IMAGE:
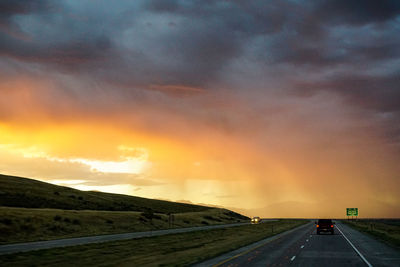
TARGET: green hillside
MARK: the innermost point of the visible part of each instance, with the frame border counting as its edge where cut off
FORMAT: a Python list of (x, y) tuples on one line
[(28, 224), (31, 210), (29, 193)]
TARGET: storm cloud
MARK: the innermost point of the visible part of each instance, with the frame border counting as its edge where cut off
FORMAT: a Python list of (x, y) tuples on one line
[(348, 48), (278, 76)]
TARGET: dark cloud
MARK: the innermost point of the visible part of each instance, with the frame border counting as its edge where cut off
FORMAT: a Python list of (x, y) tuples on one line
[(9, 8), (140, 47), (356, 12), (379, 93), (204, 39), (70, 54), (378, 97), (374, 52), (248, 18), (164, 6), (65, 48), (376, 92), (174, 46)]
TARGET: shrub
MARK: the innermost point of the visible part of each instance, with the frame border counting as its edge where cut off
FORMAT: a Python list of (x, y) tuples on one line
[(208, 217), (56, 228), (27, 227), (148, 214), (6, 221), (155, 216), (57, 218)]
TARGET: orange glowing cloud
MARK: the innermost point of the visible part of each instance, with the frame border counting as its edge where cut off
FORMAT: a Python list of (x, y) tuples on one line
[(220, 110), (257, 155), (257, 171)]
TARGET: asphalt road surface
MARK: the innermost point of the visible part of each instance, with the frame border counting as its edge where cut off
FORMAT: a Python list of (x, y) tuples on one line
[(22, 247), (303, 247)]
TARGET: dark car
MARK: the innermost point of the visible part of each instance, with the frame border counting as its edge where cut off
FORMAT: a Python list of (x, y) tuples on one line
[(325, 225)]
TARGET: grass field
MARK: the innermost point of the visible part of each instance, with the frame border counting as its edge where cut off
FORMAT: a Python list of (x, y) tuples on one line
[(24, 224), (387, 230), (170, 250), (29, 193)]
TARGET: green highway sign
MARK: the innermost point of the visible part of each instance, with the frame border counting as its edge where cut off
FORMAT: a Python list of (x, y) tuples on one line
[(352, 211)]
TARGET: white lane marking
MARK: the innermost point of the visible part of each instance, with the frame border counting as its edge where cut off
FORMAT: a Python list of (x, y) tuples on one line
[(302, 246), (306, 240), (292, 259), (358, 252)]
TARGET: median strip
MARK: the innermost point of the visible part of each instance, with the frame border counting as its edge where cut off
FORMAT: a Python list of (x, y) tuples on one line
[(23, 247)]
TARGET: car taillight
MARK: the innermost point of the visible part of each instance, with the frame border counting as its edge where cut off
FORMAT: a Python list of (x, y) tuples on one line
[(331, 225), (317, 225)]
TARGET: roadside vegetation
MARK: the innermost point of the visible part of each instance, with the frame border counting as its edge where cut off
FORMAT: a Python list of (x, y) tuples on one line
[(24, 224), (169, 250), (386, 230)]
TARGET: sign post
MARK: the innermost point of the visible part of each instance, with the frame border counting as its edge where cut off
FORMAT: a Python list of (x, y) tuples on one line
[(352, 212), (171, 219)]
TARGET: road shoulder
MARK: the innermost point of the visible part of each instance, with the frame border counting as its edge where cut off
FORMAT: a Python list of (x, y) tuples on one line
[(376, 252)]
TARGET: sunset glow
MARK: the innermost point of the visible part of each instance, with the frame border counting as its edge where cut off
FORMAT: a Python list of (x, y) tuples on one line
[(245, 115)]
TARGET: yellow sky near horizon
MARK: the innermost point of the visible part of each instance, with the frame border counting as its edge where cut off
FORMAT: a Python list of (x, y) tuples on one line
[(211, 168)]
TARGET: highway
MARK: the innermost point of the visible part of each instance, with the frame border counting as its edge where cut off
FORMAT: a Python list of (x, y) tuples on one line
[(303, 247)]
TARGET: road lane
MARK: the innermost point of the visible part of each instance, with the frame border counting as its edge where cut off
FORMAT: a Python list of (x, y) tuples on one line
[(327, 250), (303, 247), (271, 251)]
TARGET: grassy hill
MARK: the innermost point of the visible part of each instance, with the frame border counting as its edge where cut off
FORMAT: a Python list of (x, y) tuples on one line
[(29, 193), (28, 224), (31, 210)]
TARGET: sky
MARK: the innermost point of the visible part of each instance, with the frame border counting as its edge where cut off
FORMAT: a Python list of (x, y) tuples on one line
[(270, 108)]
